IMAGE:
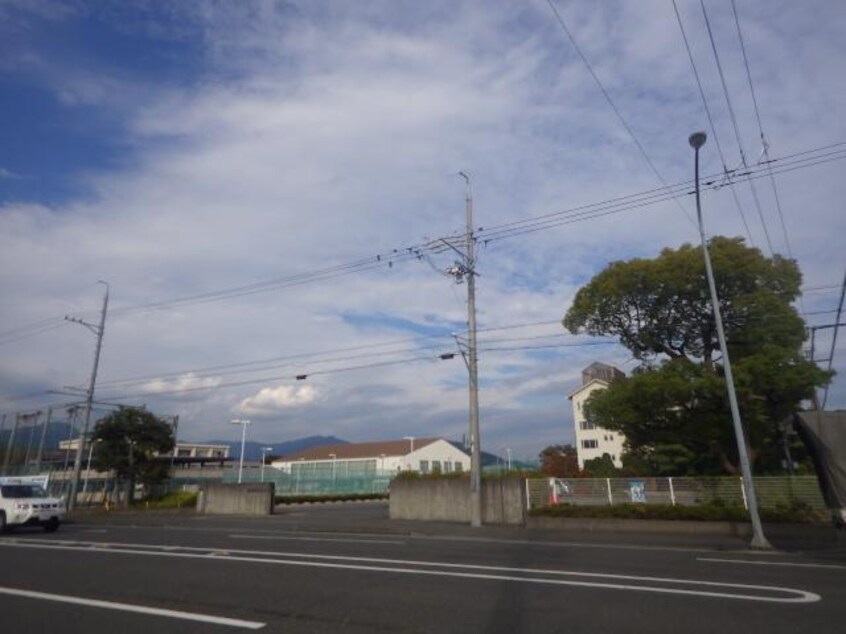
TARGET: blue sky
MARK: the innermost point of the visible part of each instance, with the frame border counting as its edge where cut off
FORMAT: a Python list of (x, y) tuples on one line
[(180, 148)]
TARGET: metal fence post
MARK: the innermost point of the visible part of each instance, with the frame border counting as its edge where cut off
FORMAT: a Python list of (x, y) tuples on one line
[(672, 492), (610, 498)]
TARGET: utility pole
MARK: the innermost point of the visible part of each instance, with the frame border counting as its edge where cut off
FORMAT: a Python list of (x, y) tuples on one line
[(472, 364), (466, 268), (834, 337), (98, 330)]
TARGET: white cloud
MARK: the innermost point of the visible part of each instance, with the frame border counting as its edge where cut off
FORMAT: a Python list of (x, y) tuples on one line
[(271, 400), (185, 383)]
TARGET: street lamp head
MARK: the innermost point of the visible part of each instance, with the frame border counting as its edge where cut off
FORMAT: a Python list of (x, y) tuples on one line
[(697, 140), (239, 421)]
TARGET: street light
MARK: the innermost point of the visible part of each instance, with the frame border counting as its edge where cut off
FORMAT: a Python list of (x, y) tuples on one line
[(333, 456), (91, 444), (264, 451), (243, 424), (697, 140)]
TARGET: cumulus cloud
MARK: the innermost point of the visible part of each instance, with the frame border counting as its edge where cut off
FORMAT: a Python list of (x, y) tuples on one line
[(186, 383), (270, 400)]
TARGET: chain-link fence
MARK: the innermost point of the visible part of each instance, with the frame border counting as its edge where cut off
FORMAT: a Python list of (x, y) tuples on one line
[(772, 491), (317, 483)]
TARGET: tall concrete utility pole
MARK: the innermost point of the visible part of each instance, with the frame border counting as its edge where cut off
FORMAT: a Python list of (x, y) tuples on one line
[(472, 366), (89, 399)]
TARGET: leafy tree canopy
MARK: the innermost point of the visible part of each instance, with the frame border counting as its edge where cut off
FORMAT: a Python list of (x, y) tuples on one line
[(127, 440), (560, 461), (661, 307), (673, 410)]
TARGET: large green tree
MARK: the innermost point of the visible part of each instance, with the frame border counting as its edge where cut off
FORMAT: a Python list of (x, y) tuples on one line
[(673, 410), (127, 441)]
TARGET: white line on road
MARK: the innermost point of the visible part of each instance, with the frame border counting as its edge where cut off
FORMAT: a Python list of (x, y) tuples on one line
[(446, 570), (129, 607), (768, 563), (316, 539)]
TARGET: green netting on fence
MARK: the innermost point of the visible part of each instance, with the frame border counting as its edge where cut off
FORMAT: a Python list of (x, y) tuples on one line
[(322, 484)]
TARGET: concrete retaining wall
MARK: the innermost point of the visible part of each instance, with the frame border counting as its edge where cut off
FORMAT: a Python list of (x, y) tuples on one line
[(218, 498), (448, 500)]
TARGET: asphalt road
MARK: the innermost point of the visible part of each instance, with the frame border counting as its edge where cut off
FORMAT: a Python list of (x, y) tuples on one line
[(347, 568)]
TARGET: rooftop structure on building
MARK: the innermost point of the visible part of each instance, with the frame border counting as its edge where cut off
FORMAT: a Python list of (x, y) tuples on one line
[(601, 372)]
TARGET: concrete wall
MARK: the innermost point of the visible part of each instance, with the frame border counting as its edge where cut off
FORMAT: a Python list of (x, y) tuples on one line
[(448, 500), (236, 499)]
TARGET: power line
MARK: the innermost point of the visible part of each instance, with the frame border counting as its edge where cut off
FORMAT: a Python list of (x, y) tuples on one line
[(611, 102), (764, 145), (781, 165), (735, 126), (711, 123), (292, 377)]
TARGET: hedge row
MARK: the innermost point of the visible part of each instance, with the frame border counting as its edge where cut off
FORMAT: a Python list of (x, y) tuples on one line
[(340, 497)]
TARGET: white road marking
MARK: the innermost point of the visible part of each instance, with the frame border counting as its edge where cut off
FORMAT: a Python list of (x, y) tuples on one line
[(129, 607), (441, 569), (316, 539), (768, 563)]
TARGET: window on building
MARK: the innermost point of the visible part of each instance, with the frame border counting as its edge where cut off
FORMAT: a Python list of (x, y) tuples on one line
[(590, 444), (436, 466), (586, 425), (447, 466), (459, 466), (424, 466)]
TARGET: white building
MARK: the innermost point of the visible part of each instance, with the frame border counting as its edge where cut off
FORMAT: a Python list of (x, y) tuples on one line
[(592, 441), (183, 449), (426, 455)]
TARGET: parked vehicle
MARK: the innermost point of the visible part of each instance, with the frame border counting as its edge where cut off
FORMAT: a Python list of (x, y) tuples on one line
[(24, 502)]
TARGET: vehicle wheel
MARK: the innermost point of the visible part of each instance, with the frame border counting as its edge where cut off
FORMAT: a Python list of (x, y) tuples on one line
[(51, 526), (2, 522)]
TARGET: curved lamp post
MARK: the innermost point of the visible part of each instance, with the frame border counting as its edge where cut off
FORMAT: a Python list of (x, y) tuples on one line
[(697, 140), (243, 424)]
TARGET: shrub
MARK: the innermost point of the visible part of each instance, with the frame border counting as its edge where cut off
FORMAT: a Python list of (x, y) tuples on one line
[(177, 500), (338, 497)]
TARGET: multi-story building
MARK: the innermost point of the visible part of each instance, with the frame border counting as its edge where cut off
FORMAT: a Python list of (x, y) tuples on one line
[(592, 441)]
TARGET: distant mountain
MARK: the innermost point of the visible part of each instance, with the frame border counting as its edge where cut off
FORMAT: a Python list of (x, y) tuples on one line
[(252, 449)]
